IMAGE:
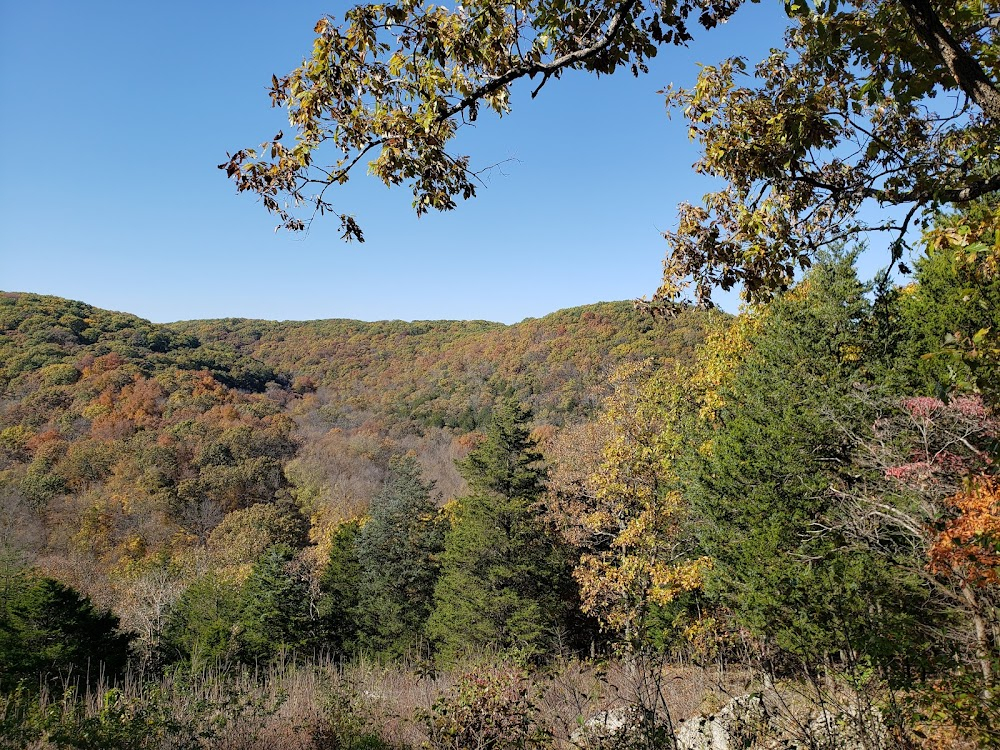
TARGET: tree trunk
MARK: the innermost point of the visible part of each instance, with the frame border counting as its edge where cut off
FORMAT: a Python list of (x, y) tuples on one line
[(984, 642), (963, 67)]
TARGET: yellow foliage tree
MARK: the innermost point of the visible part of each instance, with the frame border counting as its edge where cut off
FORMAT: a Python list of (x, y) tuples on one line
[(718, 358), (637, 556)]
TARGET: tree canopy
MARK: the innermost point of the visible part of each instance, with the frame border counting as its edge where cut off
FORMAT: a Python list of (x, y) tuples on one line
[(888, 102)]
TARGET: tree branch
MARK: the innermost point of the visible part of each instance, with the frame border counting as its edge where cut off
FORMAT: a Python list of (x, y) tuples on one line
[(546, 69), (963, 67)]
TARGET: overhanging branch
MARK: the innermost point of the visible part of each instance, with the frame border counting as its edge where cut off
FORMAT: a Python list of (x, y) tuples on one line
[(544, 69), (963, 67)]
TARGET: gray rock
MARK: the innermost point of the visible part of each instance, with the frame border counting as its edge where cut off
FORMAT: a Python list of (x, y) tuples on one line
[(736, 726), (850, 729), (603, 726)]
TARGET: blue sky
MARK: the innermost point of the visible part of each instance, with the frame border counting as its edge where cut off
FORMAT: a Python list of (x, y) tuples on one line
[(116, 114)]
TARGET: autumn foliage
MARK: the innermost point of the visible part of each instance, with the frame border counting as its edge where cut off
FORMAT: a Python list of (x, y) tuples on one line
[(808, 488), (968, 546)]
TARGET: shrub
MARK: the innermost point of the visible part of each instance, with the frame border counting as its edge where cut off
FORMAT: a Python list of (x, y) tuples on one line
[(490, 706)]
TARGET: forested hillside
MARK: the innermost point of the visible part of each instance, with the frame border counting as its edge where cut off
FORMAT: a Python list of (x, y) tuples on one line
[(600, 530), (442, 373), (128, 445)]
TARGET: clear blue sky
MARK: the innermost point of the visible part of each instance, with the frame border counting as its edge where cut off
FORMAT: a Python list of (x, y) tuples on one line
[(116, 114)]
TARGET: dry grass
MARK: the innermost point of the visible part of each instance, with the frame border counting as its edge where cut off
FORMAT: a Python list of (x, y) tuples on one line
[(328, 706)]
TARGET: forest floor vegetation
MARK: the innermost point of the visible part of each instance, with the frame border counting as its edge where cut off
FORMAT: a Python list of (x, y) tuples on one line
[(496, 703)]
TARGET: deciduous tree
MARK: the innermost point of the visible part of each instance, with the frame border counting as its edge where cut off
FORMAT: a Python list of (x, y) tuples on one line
[(636, 556), (889, 102)]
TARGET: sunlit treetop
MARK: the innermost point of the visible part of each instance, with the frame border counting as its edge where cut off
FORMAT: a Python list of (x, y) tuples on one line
[(888, 102)]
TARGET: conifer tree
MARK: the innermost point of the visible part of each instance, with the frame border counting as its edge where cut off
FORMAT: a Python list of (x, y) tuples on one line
[(504, 577), (47, 628), (766, 485), (216, 620), (950, 318), (398, 550), (340, 587), (274, 608), (199, 629)]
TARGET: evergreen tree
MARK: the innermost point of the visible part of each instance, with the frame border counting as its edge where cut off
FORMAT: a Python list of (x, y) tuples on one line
[(504, 578), (507, 463), (274, 608), (766, 487), (216, 621), (950, 318), (398, 550), (200, 627), (340, 587), (47, 628)]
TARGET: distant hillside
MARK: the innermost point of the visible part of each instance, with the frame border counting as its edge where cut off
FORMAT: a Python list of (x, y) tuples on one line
[(441, 373), (39, 331), (123, 442)]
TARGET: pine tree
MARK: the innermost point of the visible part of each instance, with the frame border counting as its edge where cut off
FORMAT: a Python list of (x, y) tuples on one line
[(504, 577), (398, 550)]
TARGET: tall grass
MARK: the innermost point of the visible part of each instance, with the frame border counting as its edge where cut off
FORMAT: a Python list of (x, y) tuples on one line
[(319, 704), (324, 704)]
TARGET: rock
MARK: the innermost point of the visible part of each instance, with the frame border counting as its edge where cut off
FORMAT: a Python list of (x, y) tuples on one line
[(603, 726), (736, 726), (850, 729)]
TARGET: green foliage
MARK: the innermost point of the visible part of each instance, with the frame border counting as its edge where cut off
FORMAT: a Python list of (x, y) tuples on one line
[(766, 487), (340, 586), (398, 549), (953, 306), (274, 616), (49, 334), (756, 473), (118, 724), (268, 615), (504, 578), (507, 462), (182, 711), (200, 628), (48, 630)]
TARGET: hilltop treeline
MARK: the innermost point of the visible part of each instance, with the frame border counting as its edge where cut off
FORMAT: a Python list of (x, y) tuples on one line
[(442, 373)]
